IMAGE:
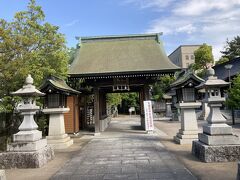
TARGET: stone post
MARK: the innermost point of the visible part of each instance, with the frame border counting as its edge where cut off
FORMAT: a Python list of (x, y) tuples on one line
[(57, 137), (189, 127), (169, 110)]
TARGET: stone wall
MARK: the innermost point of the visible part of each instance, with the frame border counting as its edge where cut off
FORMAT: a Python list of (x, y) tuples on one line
[(34, 159), (219, 153)]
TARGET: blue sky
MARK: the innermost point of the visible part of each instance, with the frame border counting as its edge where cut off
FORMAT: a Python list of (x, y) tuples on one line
[(181, 21)]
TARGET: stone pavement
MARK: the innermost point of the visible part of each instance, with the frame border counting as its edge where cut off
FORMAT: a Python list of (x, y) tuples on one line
[(124, 152)]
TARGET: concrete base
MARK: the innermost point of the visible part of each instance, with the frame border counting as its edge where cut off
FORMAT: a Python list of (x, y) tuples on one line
[(27, 146), (217, 129), (219, 139), (2, 175), (59, 142), (32, 135), (31, 159), (186, 137), (218, 153)]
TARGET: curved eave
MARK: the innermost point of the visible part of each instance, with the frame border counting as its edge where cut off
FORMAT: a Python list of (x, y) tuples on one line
[(48, 83), (151, 73)]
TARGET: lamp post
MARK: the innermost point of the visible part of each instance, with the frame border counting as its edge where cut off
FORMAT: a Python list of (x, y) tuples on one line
[(229, 67)]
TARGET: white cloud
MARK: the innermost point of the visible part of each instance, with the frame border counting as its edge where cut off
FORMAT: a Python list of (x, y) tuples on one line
[(189, 29), (200, 7), (72, 23), (156, 4), (197, 21)]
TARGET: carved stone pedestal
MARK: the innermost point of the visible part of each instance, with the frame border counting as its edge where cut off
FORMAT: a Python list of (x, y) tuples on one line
[(57, 137), (189, 128)]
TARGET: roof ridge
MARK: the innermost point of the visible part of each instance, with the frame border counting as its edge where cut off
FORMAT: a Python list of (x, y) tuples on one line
[(127, 36)]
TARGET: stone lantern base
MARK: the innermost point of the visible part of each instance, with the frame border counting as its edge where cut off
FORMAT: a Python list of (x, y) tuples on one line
[(27, 159), (57, 137), (189, 127), (215, 153), (28, 150)]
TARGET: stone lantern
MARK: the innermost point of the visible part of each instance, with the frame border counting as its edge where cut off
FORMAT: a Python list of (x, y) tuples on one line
[(186, 98), (217, 142), (168, 100), (28, 149), (55, 105)]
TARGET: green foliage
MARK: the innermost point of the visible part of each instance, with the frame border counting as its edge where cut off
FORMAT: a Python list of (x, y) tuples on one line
[(114, 99), (71, 54), (131, 99), (232, 48), (29, 45), (233, 99), (203, 57), (222, 60), (161, 86), (42, 122)]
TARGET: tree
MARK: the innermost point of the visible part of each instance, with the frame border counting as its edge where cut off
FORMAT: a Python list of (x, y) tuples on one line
[(233, 99), (114, 99), (222, 60), (203, 57), (161, 86), (71, 53), (232, 48), (28, 44)]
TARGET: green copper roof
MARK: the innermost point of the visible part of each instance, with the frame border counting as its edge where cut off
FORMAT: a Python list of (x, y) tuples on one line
[(117, 54), (59, 84), (184, 78)]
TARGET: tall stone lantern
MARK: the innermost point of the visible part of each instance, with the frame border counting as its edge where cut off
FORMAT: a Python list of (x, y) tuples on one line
[(187, 103), (217, 142), (55, 105), (28, 149)]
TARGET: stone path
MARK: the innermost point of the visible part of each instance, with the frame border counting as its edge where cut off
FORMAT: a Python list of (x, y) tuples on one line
[(124, 152)]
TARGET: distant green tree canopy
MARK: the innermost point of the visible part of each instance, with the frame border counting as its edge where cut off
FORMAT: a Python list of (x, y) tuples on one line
[(71, 53), (233, 99), (130, 99), (232, 48), (203, 58), (161, 86), (29, 45), (222, 60), (114, 99)]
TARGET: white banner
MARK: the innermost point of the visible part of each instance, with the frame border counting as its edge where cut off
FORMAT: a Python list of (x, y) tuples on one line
[(149, 126)]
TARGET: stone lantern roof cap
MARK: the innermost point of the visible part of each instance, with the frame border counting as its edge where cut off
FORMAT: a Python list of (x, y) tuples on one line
[(212, 81), (28, 89)]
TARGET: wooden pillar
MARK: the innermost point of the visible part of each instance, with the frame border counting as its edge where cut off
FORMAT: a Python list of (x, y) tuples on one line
[(141, 96), (96, 110), (146, 93)]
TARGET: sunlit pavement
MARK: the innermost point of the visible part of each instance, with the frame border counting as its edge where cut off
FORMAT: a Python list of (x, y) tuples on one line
[(124, 151)]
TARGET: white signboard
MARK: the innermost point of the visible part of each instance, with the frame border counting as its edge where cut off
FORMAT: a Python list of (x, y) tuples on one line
[(148, 116)]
